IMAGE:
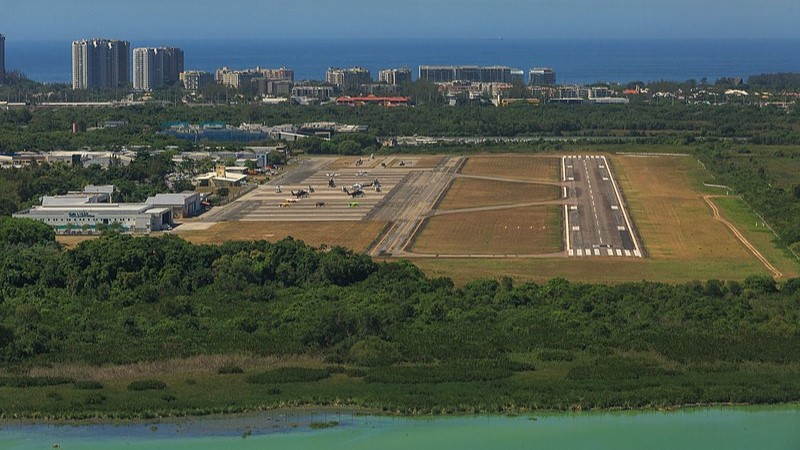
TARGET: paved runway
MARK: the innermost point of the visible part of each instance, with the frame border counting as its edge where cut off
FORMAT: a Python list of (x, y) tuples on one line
[(596, 221)]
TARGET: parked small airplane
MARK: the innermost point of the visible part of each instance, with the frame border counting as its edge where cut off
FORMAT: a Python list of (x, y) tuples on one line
[(355, 192), (300, 194)]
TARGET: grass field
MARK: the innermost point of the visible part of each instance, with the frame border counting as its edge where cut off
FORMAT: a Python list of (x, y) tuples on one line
[(542, 384), (469, 193), (514, 166), (751, 226), (353, 235), (516, 231), (589, 270), (672, 218)]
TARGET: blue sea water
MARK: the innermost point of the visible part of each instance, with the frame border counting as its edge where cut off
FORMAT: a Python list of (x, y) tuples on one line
[(576, 61)]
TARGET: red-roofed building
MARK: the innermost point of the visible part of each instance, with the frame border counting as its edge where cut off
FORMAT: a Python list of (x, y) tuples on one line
[(373, 100)]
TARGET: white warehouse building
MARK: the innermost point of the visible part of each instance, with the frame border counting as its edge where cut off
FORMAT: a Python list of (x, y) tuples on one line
[(85, 218)]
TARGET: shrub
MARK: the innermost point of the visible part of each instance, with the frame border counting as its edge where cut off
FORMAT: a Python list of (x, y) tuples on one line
[(147, 385), (337, 369), (556, 355), (94, 399), (229, 369), (26, 382), (289, 375), (356, 373), (616, 368), (88, 385), (460, 371), (322, 425), (373, 351)]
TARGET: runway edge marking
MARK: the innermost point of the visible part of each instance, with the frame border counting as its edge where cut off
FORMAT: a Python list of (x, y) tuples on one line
[(637, 247)]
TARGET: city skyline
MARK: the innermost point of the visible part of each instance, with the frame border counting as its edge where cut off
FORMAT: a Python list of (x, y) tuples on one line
[(421, 19)]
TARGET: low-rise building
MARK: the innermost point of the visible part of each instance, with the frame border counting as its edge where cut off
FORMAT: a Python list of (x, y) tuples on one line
[(21, 159), (478, 74), (373, 100), (194, 79), (543, 76), (353, 76), (90, 195), (184, 204), (610, 100), (275, 88), (220, 177), (395, 77), (90, 218), (309, 91), (240, 78), (572, 92), (599, 92)]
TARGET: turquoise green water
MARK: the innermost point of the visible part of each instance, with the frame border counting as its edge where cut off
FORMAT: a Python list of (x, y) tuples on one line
[(706, 429)]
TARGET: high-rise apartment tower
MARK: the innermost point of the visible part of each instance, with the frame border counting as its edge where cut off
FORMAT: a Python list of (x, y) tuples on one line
[(101, 63)]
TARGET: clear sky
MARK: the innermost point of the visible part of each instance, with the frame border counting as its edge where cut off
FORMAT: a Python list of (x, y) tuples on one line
[(318, 19)]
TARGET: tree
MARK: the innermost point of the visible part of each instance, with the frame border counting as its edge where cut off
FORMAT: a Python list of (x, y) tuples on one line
[(25, 232)]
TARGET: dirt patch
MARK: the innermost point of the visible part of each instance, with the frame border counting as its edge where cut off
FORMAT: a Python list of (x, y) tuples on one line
[(71, 242)]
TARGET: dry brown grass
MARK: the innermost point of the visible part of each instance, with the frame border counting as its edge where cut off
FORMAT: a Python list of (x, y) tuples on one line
[(544, 168), (468, 193), (71, 242), (589, 270), (195, 365), (353, 235), (673, 219), (516, 231)]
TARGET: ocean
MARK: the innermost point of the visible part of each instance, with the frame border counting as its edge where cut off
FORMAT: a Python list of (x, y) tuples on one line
[(575, 61)]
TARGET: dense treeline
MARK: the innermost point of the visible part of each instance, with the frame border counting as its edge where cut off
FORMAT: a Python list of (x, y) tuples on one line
[(391, 338), (121, 299), (775, 82), (49, 129)]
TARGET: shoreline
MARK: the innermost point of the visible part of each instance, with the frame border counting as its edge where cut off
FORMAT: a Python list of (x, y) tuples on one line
[(310, 411)]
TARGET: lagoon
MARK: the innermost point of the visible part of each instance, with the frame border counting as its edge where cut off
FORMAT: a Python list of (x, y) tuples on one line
[(773, 428)]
